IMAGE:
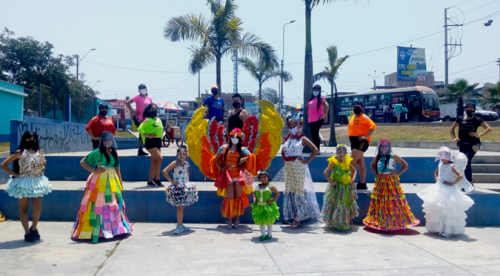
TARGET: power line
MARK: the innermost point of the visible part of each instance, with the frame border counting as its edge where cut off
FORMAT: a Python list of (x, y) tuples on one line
[(460, 3), (147, 70), (480, 6)]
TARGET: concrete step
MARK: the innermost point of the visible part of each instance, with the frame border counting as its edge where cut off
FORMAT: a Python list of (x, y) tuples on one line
[(486, 168), (486, 178), (482, 159)]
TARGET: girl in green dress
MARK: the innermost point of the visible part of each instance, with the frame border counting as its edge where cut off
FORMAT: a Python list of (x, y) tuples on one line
[(264, 208)]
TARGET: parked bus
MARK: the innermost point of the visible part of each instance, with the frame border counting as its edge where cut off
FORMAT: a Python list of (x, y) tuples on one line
[(421, 102)]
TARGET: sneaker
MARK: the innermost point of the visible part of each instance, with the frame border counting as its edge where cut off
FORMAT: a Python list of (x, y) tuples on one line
[(35, 234), (185, 228), (236, 224), (141, 152), (29, 237), (268, 237), (361, 186), (262, 238), (158, 183), (178, 230), (152, 184)]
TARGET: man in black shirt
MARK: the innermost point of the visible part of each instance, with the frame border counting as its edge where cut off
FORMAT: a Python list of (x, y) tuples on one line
[(468, 139), (238, 115)]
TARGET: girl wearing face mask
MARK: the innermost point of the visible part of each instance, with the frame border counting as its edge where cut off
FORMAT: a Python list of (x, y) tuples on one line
[(339, 201), (28, 182), (360, 130), (151, 130), (468, 139), (388, 209), (317, 110), (299, 200), (233, 161), (100, 124), (141, 102), (102, 209)]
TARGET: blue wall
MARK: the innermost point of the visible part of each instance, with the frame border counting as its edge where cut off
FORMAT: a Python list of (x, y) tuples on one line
[(12, 99)]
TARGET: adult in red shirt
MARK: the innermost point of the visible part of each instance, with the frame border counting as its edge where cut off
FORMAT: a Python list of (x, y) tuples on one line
[(141, 102), (100, 124)]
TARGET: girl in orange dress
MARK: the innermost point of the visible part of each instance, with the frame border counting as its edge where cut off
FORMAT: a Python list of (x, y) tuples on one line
[(234, 181)]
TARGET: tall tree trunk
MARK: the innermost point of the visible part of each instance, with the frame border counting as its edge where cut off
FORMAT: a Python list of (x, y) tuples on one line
[(336, 110), (260, 90), (218, 62), (333, 138), (308, 69)]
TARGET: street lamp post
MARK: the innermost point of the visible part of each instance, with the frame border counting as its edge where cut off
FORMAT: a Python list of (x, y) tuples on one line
[(78, 59), (95, 83), (282, 66), (375, 77)]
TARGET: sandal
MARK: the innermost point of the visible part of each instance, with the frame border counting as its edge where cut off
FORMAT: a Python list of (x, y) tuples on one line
[(236, 224), (295, 224)]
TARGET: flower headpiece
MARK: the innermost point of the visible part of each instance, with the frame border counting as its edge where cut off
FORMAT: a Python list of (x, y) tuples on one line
[(236, 132)]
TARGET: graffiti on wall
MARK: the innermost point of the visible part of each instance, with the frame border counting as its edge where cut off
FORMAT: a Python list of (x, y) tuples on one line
[(57, 137)]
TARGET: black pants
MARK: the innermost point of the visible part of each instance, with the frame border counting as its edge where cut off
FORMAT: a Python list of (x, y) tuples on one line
[(315, 127), (137, 123), (387, 118), (95, 144), (469, 152)]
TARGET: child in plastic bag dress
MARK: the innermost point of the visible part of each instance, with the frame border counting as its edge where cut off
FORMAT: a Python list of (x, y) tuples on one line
[(265, 211), (102, 209), (444, 205), (28, 182), (181, 193), (339, 201)]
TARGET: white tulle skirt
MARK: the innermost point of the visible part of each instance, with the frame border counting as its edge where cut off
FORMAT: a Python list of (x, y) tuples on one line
[(444, 208), (28, 187)]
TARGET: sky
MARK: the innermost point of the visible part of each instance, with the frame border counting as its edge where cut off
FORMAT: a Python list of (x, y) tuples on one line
[(131, 49)]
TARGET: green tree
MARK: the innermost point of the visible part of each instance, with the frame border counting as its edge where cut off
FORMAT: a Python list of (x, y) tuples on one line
[(308, 60), (330, 74), (269, 94), (456, 93), (494, 98), (218, 36), (263, 70)]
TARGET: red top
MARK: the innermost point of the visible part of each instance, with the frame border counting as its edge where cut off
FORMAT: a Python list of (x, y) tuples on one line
[(100, 124)]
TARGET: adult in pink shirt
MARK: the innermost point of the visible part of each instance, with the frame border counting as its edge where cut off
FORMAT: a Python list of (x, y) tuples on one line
[(317, 110), (141, 101)]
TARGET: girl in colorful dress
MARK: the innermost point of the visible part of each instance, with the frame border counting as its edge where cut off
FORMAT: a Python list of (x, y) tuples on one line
[(234, 181), (151, 130), (102, 210), (388, 209), (181, 193), (299, 201), (264, 208), (28, 182), (444, 204), (339, 202)]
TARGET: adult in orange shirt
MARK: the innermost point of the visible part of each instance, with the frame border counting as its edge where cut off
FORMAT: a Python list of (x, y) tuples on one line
[(360, 129), (99, 124)]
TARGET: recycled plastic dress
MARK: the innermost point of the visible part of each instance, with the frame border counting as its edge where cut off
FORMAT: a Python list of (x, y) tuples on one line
[(185, 193), (263, 213), (31, 182)]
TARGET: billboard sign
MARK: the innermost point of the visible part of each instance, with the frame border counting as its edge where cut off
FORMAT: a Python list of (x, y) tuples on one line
[(411, 64)]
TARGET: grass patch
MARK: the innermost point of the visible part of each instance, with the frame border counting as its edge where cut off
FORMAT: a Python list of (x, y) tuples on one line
[(5, 146), (124, 134), (411, 133)]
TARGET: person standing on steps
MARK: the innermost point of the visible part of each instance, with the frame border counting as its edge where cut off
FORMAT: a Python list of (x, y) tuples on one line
[(100, 124), (215, 105), (141, 101), (317, 110), (398, 110), (238, 115), (468, 139)]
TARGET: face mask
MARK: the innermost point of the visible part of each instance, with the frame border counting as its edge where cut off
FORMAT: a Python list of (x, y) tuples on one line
[(294, 130), (236, 104), (143, 91), (103, 112), (234, 141), (215, 92), (315, 93), (470, 112), (30, 144), (357, 110), (154, 113)]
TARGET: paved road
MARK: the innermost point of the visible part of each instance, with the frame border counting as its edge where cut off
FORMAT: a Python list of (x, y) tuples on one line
[(210, 249)]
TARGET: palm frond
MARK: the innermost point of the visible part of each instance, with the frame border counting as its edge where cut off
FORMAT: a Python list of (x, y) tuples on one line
[(251, 67), (186, 27), (200, 58), (323, 75), (332, 55)]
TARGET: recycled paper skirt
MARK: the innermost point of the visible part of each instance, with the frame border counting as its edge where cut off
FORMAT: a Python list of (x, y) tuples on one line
[(389, 209), (102, 210), (339, 206), (28, 187)]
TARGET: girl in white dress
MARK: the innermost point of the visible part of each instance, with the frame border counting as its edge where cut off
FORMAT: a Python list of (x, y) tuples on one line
[(181, 193), (444, 204)]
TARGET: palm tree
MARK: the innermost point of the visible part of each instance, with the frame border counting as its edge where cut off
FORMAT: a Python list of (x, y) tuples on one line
[(329, 74), (494, 98), (263, 70), (218, 36), (456, 93), (308, 61)]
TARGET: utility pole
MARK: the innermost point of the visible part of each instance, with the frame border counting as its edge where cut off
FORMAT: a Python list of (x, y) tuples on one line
[(446, 44), (280, 92), (235, 72), (199, 96), (498, 61)]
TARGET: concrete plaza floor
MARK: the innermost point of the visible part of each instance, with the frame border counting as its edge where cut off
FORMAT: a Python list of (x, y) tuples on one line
[(211, 249)]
